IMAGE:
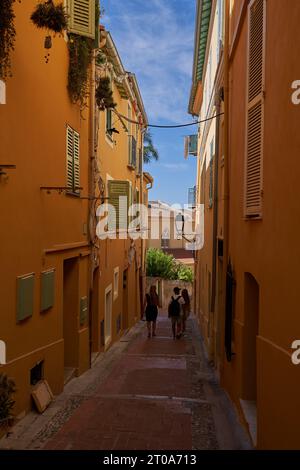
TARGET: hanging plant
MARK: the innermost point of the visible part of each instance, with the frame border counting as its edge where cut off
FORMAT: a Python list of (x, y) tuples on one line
[(80, 58), (7, 37), (104, 94), (7, 389), (49, 16)]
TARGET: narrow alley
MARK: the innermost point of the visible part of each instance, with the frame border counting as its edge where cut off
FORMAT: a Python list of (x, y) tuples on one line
[(141, 394)]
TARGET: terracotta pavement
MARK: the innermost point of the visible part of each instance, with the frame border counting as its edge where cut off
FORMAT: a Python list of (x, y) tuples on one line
[(144, 394), (141, 405)]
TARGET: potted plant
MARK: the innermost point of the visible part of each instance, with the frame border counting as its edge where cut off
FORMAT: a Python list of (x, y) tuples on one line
[(104, 94), (7, 389), (50, 16), (7, 36)]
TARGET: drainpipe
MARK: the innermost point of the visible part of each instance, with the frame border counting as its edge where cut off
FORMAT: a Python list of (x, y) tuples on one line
[(91, 192), (226, 182), (215, 213)]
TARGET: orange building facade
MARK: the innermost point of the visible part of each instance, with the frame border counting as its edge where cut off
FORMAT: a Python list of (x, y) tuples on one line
[(54, 271), (254, 303)]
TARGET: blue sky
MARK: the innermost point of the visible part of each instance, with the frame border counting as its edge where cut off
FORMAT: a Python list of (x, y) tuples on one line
[(155, 40)]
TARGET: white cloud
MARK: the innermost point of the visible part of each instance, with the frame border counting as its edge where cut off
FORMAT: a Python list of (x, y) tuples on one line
[(175, 166), (156, 43)]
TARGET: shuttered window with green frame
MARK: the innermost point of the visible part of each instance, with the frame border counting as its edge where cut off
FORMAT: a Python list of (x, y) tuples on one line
[(73, 160), (82, 14), (25, 297), (119, 194), (47, 289)]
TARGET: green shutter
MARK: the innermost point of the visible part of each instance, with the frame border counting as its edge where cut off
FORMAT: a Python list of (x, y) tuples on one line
[(193, 144), (116, 189), (82, 17), (73, 160), (47, 290), (83, 310), (211, 183), (25, 297), (76, 162), (70, 170)]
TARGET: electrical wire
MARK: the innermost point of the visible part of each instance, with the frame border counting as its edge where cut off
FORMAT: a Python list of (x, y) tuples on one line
[(173, 126)]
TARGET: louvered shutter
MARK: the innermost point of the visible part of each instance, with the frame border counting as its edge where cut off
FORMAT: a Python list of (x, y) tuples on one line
[(117, 189), (73, 160), (70, 170), (82, 17), (76, 162), (255, 108)]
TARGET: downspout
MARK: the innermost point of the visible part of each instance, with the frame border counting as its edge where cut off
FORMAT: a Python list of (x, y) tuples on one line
[(91, 194), (215, 213), (226, 182)]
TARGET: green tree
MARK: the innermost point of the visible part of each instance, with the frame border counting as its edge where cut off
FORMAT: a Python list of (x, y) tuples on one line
[(150, 152), (160, 264)]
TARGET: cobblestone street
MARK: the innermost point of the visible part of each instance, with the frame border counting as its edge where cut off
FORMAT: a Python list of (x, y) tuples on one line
[(142, 394)]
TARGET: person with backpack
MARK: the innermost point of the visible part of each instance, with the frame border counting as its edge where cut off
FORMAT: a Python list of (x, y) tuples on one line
[(151, 304), (186, 308), (175, 311)]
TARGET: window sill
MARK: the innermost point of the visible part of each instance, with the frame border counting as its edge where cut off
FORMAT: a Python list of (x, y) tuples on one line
[(249, 219), (72, 194)]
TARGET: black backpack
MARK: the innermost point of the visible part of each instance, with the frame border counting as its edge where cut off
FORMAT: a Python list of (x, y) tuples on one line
[(174, 307)]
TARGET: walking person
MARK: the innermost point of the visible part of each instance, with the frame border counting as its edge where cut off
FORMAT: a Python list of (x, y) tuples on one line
[(151, 305), (186, 308), (175, 311)]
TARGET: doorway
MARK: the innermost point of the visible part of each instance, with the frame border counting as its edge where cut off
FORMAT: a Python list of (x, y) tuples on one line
[(108, 315), (70, 315), (95, 321), (125, 299), (249, 361)]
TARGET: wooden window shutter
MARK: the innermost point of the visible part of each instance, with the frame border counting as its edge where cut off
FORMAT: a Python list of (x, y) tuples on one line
[(47, 290), (76, 161), (70, 172), (255, 109), (73, 160), (82, 17), (117, 189), (25, 297)]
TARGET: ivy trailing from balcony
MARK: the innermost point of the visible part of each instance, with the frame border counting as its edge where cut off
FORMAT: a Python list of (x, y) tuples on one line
[(80, 58), (7, 37), (49, 16), (104, 94)]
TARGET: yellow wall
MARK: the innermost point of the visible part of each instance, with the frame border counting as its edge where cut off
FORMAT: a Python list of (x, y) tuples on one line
[(113, 158), (39, 230)]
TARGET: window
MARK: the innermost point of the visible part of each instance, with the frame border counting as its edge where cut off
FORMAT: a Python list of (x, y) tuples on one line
[(211, 173), (82, 17), (73, 162), (109, 122), (25, 297), (47, 290), (36, 373), (202, 189), (255, 108), (116, 283), (211, 183), (119, 197)]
